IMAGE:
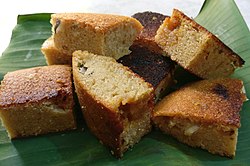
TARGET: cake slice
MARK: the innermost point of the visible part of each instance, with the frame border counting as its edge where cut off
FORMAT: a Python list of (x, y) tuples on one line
[(37, 101), (53, 56), (146, 57), (104, 34), (150, 21), (196, 49), (204, 114), (116, 103), (152, 67)]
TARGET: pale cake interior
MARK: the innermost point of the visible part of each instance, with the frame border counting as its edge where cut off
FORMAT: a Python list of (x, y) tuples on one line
[(121, 39), (69, 37), (203, 114), (120, 90), (201, 135), (37, 101), (195, 48), (110, 81), (107, 35), (136, 127), (35, 119), (52, 55), (178, 36)]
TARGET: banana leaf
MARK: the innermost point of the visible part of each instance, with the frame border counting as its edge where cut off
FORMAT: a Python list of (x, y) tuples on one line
[(80, 147)]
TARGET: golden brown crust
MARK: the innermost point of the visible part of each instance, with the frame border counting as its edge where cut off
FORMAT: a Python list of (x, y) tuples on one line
[(106, 124), (102, 34), (203, 114), (35, 84), (118, 124), (150, 21), (238, 61), (207, 101), (37, 101), (98, 118), (97, 22), (195, 48)]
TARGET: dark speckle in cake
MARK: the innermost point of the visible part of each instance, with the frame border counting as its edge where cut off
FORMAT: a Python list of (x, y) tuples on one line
[(58, 22), (221, 91)]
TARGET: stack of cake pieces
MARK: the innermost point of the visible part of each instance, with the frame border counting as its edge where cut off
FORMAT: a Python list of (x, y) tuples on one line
[(122, 68), (205, 113)]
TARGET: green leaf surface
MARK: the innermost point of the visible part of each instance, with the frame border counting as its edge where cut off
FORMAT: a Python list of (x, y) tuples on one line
[(224, 20), (24, 48), (80, 147)]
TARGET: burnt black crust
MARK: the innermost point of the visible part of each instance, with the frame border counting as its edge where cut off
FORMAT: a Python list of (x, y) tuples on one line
[(152, 67), (151, 21)]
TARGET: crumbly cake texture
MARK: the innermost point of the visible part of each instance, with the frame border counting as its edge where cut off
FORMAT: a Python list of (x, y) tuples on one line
[(103, 34), (116, 103), (150, 21), (195, 48), (37, 101), (152, 67), (53, 56), (203, 114)]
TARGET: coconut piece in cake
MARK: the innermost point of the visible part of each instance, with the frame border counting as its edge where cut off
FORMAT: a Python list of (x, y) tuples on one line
[(204, 114), (37, 101)]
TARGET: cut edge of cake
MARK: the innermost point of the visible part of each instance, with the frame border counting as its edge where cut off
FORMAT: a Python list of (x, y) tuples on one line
[(195, 48), (116, 111), (106, 34), (52, 55), (37, 101)]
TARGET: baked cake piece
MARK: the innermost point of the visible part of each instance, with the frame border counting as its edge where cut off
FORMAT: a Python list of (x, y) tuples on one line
[(204, 114), (196, 49), (37, 101), (116, 103), (152, 67), (53, 55), (104, 34), (150, 21)]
